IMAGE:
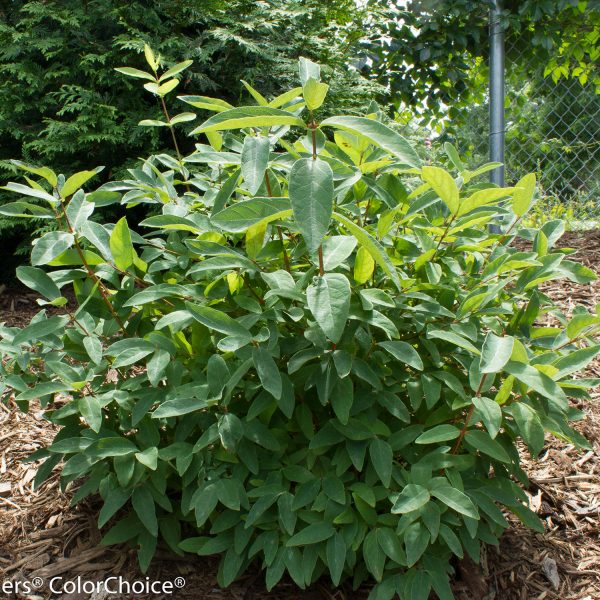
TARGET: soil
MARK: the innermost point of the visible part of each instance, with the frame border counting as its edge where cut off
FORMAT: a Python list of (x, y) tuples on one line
[(41, 535)]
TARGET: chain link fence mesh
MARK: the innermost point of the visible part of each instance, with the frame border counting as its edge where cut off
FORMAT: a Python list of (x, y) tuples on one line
[(552, 129)]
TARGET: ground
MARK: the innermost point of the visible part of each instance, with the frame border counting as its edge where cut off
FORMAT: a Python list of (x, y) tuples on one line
[(42, 536)]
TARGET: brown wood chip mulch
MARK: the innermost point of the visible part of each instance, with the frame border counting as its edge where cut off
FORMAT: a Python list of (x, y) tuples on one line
[(42, 536)]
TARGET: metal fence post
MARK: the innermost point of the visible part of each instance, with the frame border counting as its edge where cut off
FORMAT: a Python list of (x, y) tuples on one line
[(497, 125)]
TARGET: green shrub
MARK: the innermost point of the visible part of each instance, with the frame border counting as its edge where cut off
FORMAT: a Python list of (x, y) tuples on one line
[(316, 357)]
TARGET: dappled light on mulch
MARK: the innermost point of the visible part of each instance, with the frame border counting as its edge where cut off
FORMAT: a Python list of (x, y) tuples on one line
[(42, 536)]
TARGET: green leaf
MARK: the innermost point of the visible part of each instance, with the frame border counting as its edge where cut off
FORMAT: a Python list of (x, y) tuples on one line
[(496, 352), (491, 414), (539, 382), (25, 190), (48, 174), (148, 458), (121, 246), (364, 265), (123, 531), (416, 541), (444, 186), (439, 433), (242, 215), (260, 99), (314, 93), (17, 209), (91, 411), (37, 280), (231, 431), (481, 198), (255, 158), (248, 116), (206, 103), (150, 58), (113, 502), (373, 555), (336, 250), (389, 542), (183, 117), (376, 250), (335, 552), (180, 406), (175, 69), (286, 97), (131, 72), (311, 197), (530, 426), (579, 323), (379, 134), (143, 504), (307, 69), (218, 321), (328, 299), (453, 338), (50, 246), (382, 458), (523, 194), (575, 361), (456, 500), (481, 440), (412, 497), (268, 373), (157, 366), (404, 353), (314, 533), (76, 181), (79, 210), (153, 123), (111, 447)]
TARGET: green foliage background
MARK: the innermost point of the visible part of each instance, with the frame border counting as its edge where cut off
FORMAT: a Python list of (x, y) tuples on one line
[(62, 103)]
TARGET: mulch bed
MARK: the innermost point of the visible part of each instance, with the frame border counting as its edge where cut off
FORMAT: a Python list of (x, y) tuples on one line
[(42, 536)]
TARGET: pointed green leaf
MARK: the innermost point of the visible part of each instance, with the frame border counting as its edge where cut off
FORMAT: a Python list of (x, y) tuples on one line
[(523, 194), (311, 196), (242, 215), (439, 433), (143, 504), (121, 246), (379, 134), (248, 116), (412, 497), (314, 93), (39, 281), (456, 500), (76, 181), (50, 246), (481, 440), (382, 458), (131, 72), (376, 250), (444, 186), (218, 321), (268, 373), (404, 353), (255, 158), (312, 534), (328, 299), (496, 352)]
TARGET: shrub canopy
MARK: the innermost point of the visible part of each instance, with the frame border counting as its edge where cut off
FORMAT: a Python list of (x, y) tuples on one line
[(315, 356)]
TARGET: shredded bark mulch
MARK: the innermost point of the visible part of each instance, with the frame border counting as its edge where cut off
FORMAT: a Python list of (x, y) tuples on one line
[(42, 536)]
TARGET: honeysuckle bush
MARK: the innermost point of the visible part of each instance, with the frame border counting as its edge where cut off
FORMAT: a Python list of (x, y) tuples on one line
[(315, 357)]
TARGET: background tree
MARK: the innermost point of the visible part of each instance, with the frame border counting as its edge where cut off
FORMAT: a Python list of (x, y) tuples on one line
[(427, 51), (62, 103)]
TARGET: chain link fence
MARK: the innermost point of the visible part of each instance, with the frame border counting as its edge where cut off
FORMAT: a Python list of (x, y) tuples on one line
[(552, 129)]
